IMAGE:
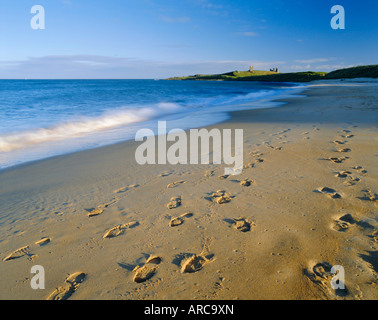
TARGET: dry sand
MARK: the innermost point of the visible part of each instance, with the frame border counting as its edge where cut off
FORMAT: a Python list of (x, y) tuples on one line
[(101, 226)]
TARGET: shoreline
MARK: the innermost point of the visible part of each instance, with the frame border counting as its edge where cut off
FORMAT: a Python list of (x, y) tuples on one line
[(294, 229), (274, 101), (260, 103)]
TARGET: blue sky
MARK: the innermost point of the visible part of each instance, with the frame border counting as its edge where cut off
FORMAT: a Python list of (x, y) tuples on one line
[(161, 38)]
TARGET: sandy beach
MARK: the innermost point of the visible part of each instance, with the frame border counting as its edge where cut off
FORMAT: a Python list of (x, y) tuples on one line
[(104, 227)]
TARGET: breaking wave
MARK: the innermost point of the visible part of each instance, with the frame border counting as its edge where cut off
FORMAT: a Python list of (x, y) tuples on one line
[(85, 126)]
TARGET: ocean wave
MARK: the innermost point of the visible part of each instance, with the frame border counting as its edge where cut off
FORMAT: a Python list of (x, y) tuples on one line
[(85, 126), (222, 100)]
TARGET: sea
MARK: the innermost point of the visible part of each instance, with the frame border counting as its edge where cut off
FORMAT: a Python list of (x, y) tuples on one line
[(45, 118)]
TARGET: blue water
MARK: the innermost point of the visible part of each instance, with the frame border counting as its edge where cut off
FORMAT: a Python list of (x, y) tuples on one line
[(43, 118)]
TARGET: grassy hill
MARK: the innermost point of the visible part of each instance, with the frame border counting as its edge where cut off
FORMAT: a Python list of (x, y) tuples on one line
[(234, 75), (355, 72)]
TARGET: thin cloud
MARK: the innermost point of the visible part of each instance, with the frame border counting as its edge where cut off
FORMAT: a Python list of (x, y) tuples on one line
[(207, 4), (248, 34), (299, 67), (174, 20), (211, 8), (312, 60), (104, 67), (174, 46)]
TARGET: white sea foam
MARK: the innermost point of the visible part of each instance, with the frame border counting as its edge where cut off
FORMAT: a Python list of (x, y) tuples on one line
[(85, 126)]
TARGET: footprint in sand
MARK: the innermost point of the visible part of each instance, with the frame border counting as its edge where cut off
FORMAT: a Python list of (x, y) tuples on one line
[(242, 224), (33, 257), (337, 160), (329, 192), (249, 165), (220, 197), (147, 271), (253, 163), (100, 209), (322, 270), (165, 174), (268, 145), (223, 177), (174, 203), (343, 174), (344, 150), (348, 136), (281, 132), (256, 154), (320, 274), (124, 189), (18, 253), (351, 181), (70, 285), (195, 263), (369, 195), (95, 212), (246, 183), (118, 230), (343, 223), (43, 241), (180, 220), (175, 184), (339, 142), (360, 169)]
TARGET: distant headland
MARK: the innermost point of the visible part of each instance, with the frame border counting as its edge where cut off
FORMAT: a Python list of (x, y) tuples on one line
[(369, 71)]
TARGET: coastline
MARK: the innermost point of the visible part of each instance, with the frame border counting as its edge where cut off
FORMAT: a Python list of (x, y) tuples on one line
[(292, 226), (78, 133)]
